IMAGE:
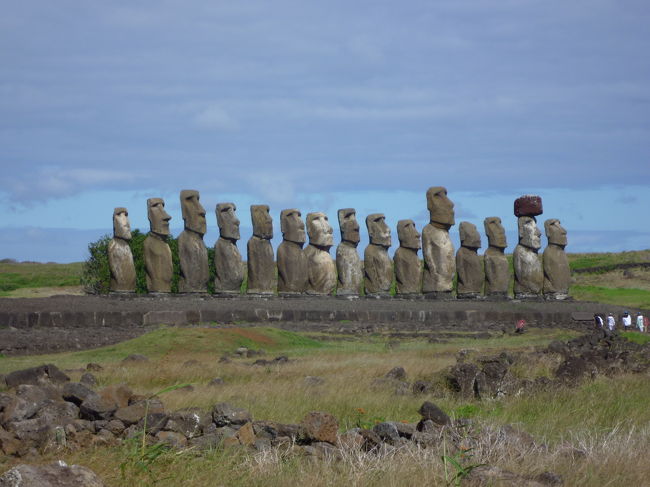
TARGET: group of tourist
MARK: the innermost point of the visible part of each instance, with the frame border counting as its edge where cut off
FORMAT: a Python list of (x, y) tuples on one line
[(641, 323)]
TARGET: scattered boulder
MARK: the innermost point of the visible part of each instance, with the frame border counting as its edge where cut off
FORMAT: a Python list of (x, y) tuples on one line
[(43, 374), (319, 426), (88, 380), (387, 432), (190, 422), (76, 392), (397, 373), (430, 411), (93, 367), (55, 475), (217, 381), (135, 357), (223, 414)]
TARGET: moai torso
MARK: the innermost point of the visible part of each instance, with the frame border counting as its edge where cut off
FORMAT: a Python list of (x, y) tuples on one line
[(557, 275), (469, 267), (437, 249), (292, 262), (408, 268), (157, 254), (261, 266), (228, 267), (529, 276), (158, 264), (348, 264), (378, 268), (497, 269), (321, 269), (192, 254)]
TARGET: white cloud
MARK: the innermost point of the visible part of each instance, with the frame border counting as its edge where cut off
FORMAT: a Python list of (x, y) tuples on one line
[(215, 117)]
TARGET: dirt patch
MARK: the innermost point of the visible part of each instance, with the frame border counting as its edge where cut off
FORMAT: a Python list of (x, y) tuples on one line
[(250, 335)]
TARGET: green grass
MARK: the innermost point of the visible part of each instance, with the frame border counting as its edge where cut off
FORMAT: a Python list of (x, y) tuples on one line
[(34, 275), (634, 298), (636, 337), (584, 261)]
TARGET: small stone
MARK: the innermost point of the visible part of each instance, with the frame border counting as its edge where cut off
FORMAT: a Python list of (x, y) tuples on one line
[(75, 392), (93, 367), (312, 381), (387, 432), (223, 414), (371, 440), (135, 357), (246, 435), (217, 381), (88, 380), (43, 374), (189, 421), (397, 373), (172, 438), (57, 474)]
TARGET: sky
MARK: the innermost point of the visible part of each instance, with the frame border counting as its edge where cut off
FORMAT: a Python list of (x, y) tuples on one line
[(320, 106)]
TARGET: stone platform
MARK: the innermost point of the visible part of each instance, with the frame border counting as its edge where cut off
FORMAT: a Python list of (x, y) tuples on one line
[(306, 313)]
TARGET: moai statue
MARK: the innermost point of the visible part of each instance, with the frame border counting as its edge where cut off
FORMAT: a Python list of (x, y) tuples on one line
[(157, 254), (408, 268), (468, 264), (120, 258), (529, 276), (377, 267), (437, 249), (320, 265), (497, 270), (228, 267), (292, 263), (348, 263), (557, 276), (192, 254), (261, 266)]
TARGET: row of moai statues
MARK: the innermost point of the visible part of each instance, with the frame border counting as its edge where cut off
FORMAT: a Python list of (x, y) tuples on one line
[(296, 271)]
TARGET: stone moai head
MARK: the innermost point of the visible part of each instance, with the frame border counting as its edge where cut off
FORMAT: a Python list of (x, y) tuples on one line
[(408, 235), (469, 236), (227, 220), (378, 231), (193, 211), (555, 232), (349, 226), (262, 221), (121, 226), (292, 226), (529, 234), (495, 232), (158, 217), (441, 208), (319, 230)]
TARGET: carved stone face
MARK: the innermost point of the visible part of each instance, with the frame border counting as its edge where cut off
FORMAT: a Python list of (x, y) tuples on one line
[(193, 211), (408, 235), (227, 220), (378, 231), (529, 234), (121, 226), (293, 228), (469, 236), (158, 217), (319, 230), (262, 221), (349, 225), (555, 232), (495, 232), (441, 208)]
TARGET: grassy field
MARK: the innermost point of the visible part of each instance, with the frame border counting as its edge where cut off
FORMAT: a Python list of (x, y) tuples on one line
[(609, 418), (29, 279)]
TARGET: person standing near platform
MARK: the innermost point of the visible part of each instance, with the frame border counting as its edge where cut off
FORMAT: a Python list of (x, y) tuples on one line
[(611, 322), (639, 322)]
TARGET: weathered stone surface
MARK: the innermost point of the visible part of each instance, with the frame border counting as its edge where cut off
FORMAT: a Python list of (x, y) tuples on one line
[(223, 414), (430, 411), (55, 475), (9, 444), (462, 378), (157, 254), (261, 266), (319, 426), (437, 248), (378, 268), (43, 374), (348, 263), (321, 268), (397, 373), (75, 392), (246, 434), (528, 205), (95, 407), (471, 276), (119, 394), (408, 267), (292, 262), (387, 432), (557, 275), (529, 276), (173, 439), (131, 414), (189, 421), (228, 266), (497, 270), (192, 254), (120, 258)]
